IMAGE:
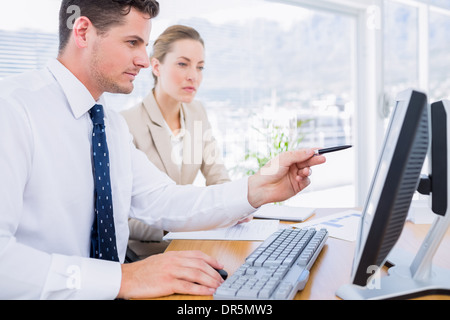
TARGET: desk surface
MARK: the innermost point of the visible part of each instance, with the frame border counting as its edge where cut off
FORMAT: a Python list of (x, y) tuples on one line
[(331, 269)]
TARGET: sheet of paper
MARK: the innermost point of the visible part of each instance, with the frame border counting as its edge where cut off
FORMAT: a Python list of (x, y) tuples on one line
[(255, 230), (343, 225), (281, 212)]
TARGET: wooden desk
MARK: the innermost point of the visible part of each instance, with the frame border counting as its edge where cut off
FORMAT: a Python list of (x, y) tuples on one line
[(331, 269)]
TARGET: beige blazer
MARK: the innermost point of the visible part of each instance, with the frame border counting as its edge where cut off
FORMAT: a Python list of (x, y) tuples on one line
[(200, 153), (148, 127)]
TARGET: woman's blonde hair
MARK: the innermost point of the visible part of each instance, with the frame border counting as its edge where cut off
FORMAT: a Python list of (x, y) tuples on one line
[(163, 45)]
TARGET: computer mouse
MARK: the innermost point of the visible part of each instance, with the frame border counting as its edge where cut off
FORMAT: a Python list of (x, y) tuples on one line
[(222, 273)]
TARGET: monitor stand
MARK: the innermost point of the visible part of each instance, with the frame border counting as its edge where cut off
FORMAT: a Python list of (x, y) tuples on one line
[(410, 276)]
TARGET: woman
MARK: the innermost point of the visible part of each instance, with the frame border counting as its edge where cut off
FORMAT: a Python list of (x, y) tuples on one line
[(169, 126)]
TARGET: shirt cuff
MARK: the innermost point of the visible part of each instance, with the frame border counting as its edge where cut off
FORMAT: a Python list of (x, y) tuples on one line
[(236, 198), (82, 279)]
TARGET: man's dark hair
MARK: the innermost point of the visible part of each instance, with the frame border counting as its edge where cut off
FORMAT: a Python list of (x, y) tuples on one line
[(103, 14)]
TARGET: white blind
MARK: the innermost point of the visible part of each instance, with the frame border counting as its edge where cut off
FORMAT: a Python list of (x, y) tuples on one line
[(25, 50)]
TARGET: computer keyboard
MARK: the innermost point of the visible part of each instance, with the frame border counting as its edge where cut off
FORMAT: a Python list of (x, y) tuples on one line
[(277, 269)]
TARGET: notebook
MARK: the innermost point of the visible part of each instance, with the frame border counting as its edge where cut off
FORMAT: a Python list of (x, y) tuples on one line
[(281, 212)]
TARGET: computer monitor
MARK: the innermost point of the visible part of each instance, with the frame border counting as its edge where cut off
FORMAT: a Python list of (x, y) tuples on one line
[(396, 179)]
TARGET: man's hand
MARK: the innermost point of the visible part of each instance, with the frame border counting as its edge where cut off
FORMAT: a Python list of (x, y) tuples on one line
[(184, 272), (283, 177)]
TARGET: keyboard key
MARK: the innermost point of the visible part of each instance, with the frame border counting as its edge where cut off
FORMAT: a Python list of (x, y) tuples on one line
[(283, 291), (225, 291), (247, 294)]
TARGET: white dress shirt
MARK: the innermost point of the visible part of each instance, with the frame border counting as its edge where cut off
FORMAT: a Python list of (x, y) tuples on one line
[(177, 141), (47, 191)]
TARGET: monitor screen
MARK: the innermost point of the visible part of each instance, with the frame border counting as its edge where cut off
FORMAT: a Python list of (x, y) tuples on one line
[(394, 183)]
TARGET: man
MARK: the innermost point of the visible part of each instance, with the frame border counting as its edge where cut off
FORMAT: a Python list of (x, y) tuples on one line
[(57, 240)]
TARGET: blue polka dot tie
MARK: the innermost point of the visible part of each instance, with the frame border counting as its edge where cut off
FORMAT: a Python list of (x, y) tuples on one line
[(103, 235)]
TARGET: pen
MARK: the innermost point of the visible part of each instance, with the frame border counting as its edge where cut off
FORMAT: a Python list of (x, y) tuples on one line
[(334, 149)]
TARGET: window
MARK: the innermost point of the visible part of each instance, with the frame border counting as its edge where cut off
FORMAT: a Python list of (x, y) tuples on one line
[(445, 4), (439, 46), (401, 53), (24, 50), (27, 40), (412, 59)]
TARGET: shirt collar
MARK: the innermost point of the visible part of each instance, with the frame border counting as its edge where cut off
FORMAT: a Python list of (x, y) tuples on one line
[(78, 96)]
